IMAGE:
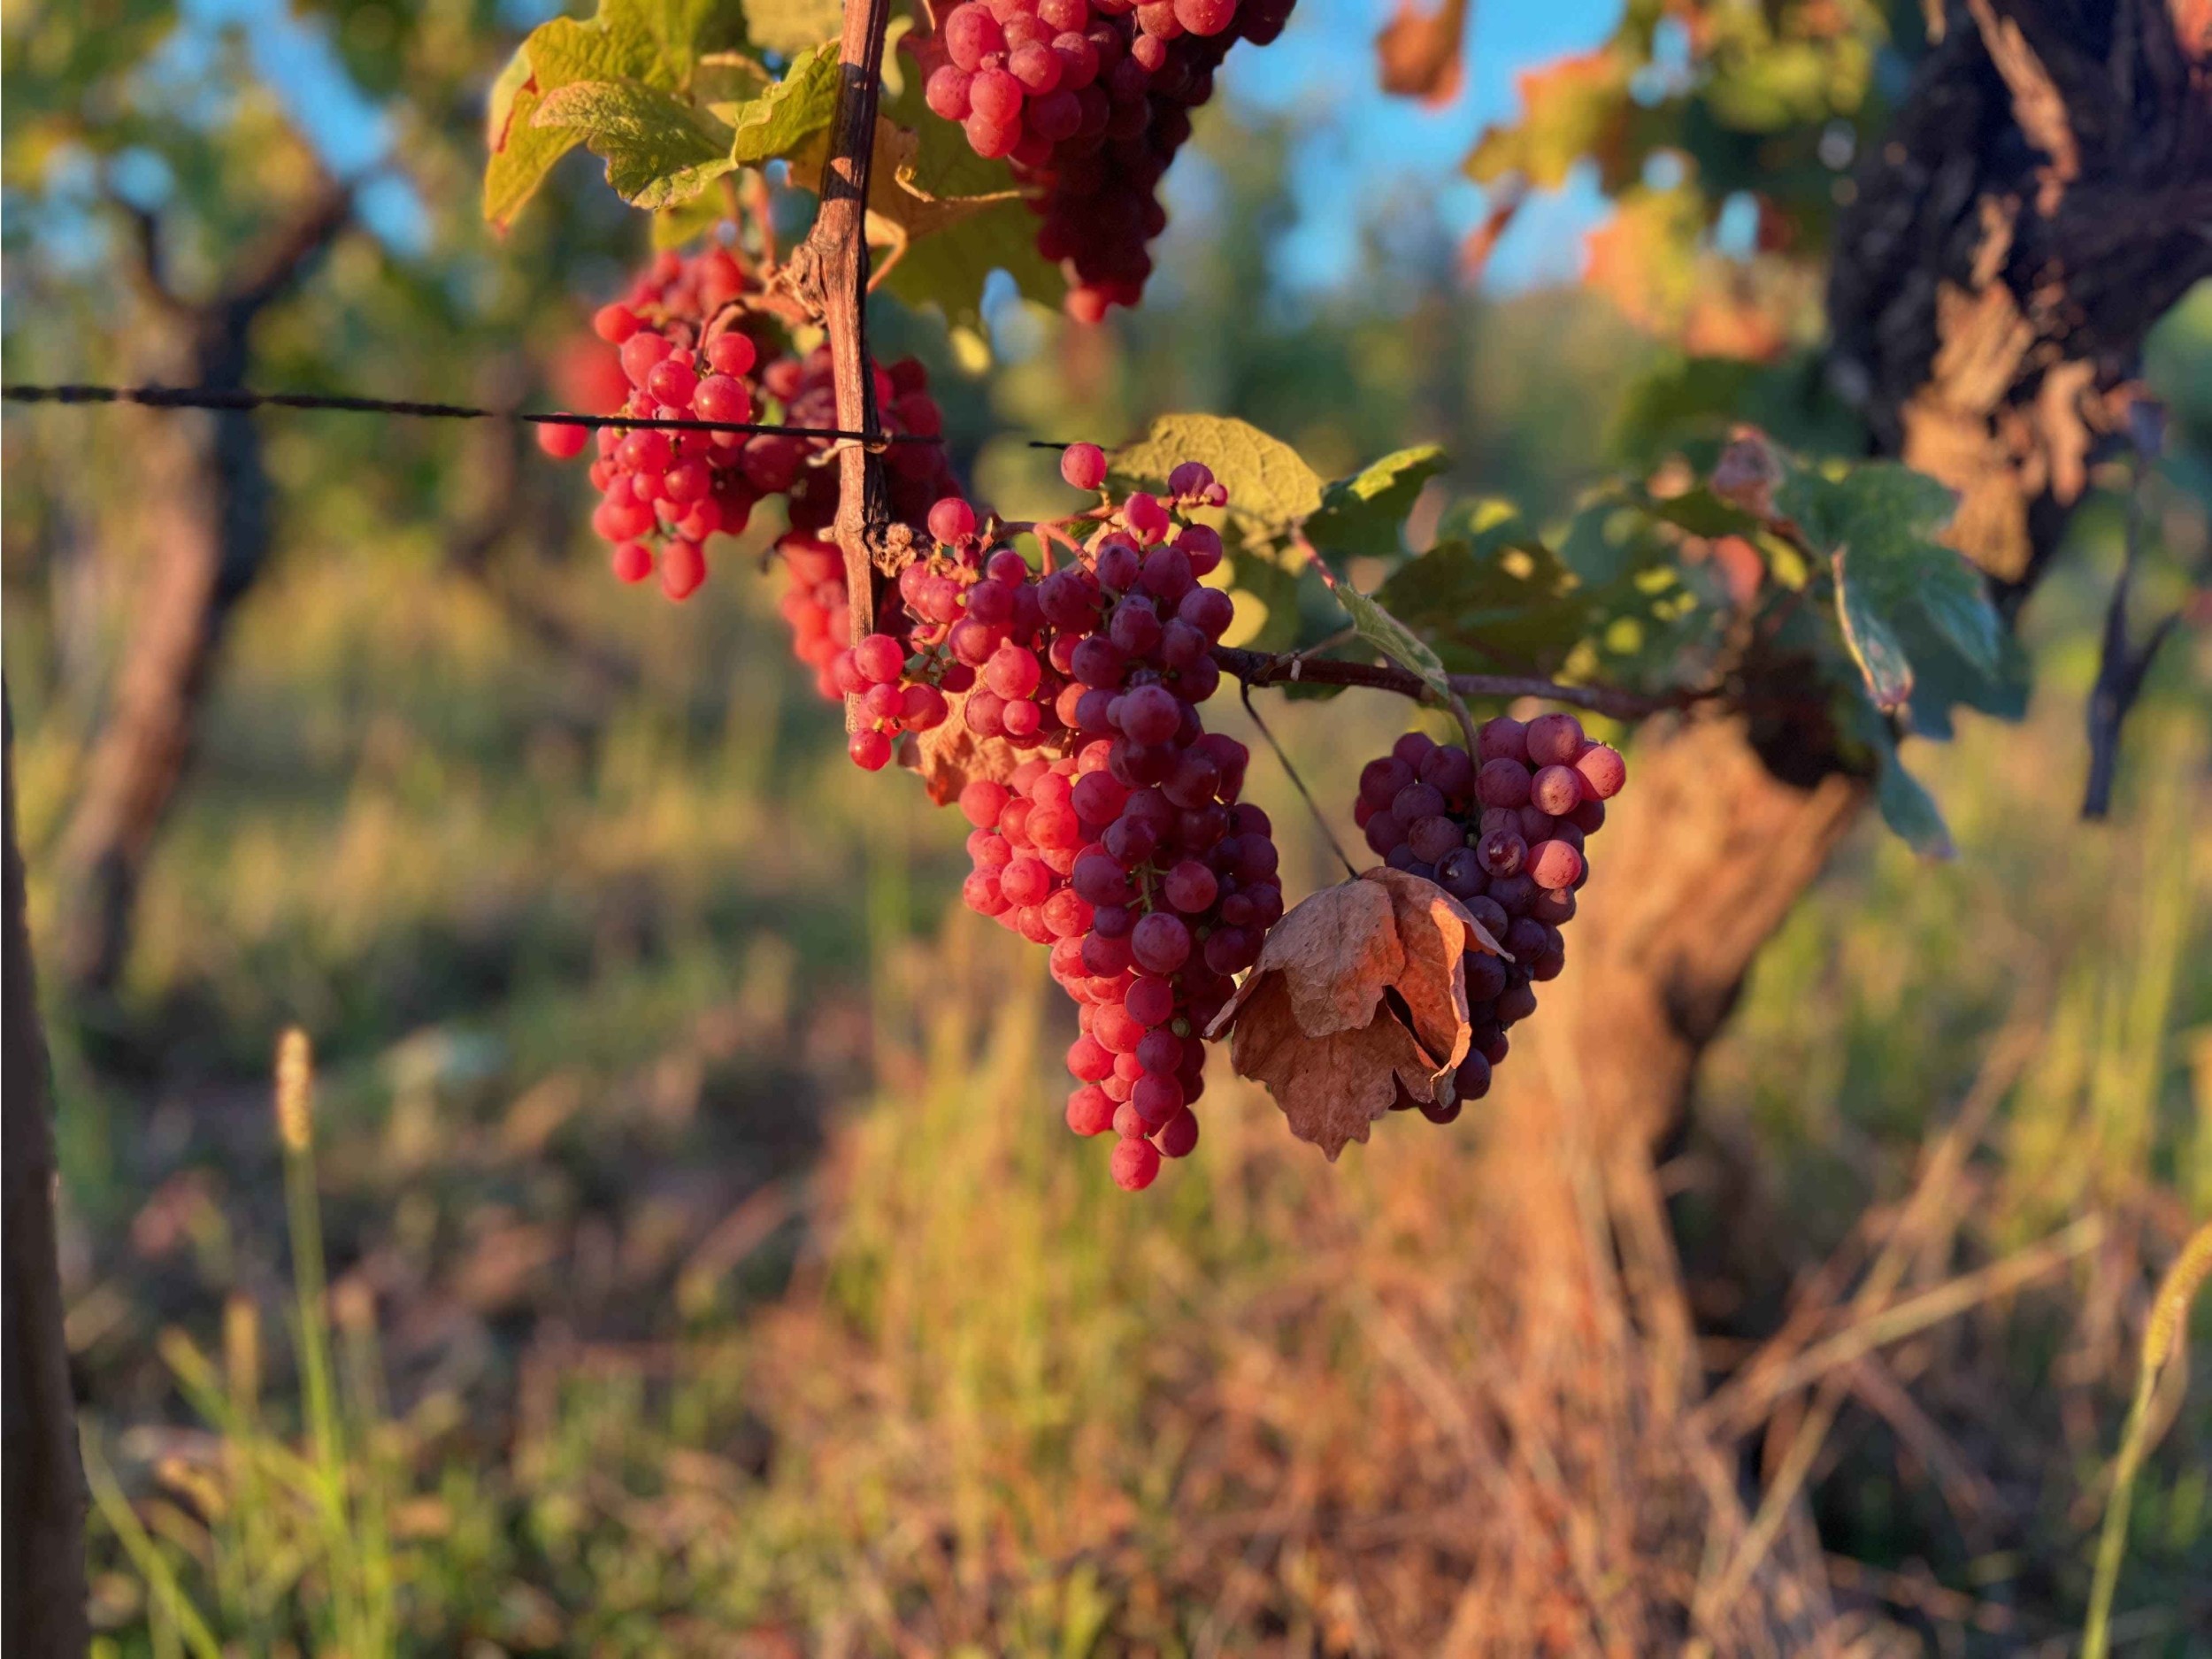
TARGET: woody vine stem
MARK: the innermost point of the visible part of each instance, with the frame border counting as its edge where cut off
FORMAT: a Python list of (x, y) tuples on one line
[(830, 275)]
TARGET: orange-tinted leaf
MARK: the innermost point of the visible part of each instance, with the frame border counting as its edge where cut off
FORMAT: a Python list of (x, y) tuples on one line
[(1418, 52), (1330, 1088), (1360, 992)]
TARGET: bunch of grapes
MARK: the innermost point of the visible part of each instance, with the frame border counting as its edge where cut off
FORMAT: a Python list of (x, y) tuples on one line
[(1089, 100), (815, 605), (1120, 842), (1501, 831), (694, 345)]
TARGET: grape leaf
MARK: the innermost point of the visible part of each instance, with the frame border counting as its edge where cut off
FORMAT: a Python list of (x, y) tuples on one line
[(1490, 592), (658, 150), (1873, 644), (948, 270), (673, 227), (1904, 802), (788, 114), (1271, 491), (521, 153), (787, 28), (1318, 1019), (1393, 639), (658, 42), (1877, 524), (1361, 515)]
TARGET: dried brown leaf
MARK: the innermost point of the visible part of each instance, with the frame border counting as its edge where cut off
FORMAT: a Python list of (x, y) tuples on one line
[(1330, 1088), (1418, 52), (1360, 992)]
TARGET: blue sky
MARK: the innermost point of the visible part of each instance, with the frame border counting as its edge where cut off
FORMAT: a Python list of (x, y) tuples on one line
[(1356, 142)]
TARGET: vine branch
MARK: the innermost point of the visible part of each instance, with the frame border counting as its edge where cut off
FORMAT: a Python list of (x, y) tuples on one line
[(834, 277), (1260, 669)]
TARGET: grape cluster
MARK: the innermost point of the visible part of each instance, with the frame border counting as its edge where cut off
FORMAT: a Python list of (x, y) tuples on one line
[(814, 603), (1501, 831), (693, 346), (1089, 100), (1120, 842)]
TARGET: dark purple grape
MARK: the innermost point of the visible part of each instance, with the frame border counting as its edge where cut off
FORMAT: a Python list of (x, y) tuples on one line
[(1432, 838), (1486, 977), (1416, 801), (1379, 781), (1512, 893), (1447, 768), (1471, 1081), (1502, 852), (1460, 874)]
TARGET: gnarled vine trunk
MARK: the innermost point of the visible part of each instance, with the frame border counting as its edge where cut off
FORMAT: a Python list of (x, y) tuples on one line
[(2044, 196)]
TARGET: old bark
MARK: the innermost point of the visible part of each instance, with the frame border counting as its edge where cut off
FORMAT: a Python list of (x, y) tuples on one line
[(208, 541), (832, 279), (42, 1560)]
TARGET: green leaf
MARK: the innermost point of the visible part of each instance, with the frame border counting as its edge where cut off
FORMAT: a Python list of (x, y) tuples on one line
[(1873, 644), (656, 42), (1897, 576), (1362, 516), (787, 28), (1490, 593), (788, 114), (947, 269), (521, 153), (687, 221), (1393, 639), (1904, 804), (1271, 491), (658, 150)]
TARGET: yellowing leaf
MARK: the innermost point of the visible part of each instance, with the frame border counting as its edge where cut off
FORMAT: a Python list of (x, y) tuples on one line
[(1271, 491), (789, 26), (788, 114), (656, 42), (659, 151)]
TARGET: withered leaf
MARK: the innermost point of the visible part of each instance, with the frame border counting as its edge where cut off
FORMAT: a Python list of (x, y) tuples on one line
[(1418, 52), (1330, 1088), (1360, 991)]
